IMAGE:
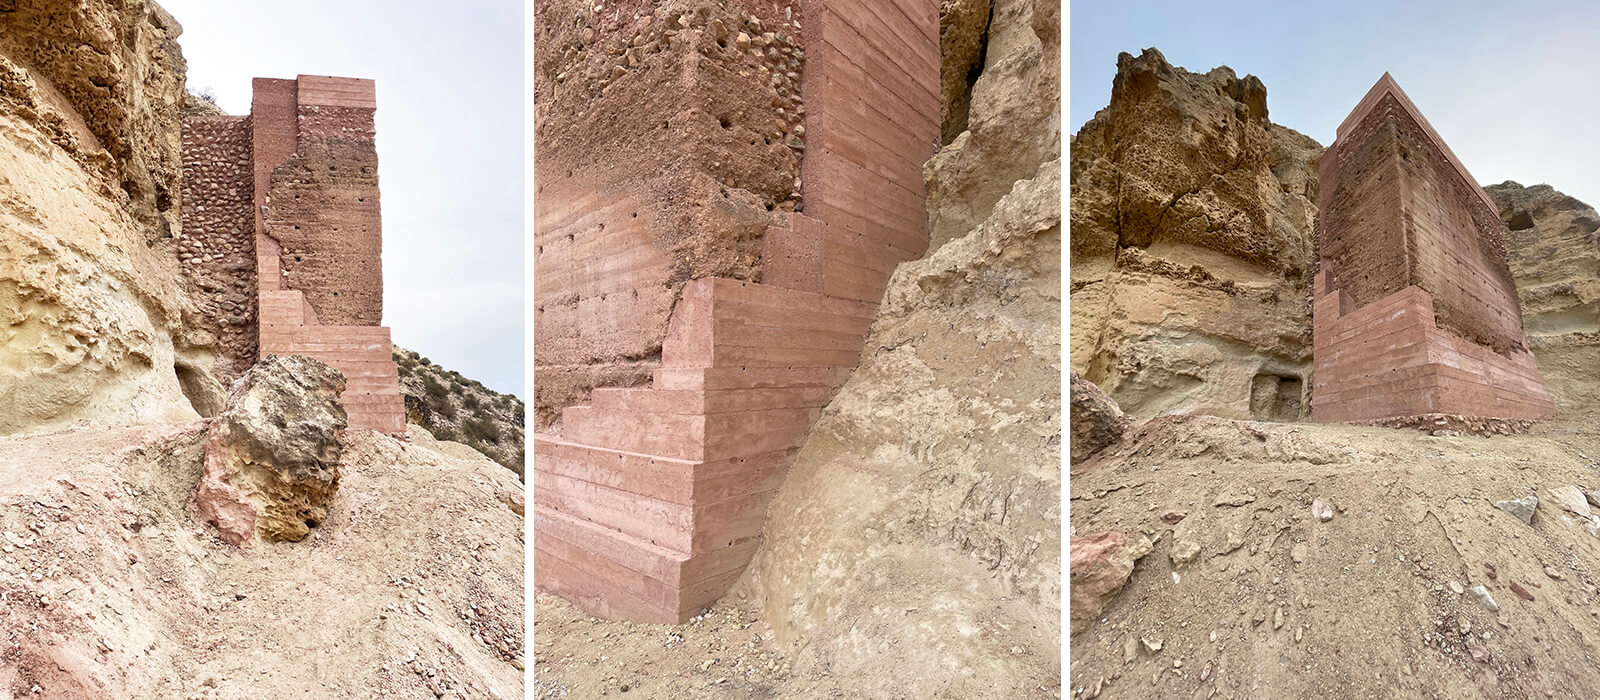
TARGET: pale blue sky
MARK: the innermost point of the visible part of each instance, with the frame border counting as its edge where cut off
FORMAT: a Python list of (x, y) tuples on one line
[(1512, 87), (450, 137)]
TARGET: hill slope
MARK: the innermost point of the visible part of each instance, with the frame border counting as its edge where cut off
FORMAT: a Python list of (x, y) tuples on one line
[(462, 410)]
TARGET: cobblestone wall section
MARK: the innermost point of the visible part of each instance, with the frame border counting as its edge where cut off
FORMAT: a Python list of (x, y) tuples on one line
[(217, 243)]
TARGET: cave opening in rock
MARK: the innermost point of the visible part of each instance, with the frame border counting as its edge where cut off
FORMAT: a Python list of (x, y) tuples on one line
[(1277, 397)]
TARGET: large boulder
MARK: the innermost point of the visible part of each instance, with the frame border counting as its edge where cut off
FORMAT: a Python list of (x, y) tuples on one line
[(272, 456), (1191, 240)]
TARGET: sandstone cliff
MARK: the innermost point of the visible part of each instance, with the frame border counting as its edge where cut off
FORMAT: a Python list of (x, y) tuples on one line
[(1554, 254), (102, 325), (917, 529), (1191, 238)]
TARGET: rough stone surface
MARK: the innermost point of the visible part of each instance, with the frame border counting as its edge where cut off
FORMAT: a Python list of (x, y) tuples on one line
[(1096, 420), (272, 456), (694, 138), (97, 318), (1010, 128), (1191, 237), (115, 76), (1523, 508), (963, 33), (1100, 565), (1553, 247), (1570, 499)]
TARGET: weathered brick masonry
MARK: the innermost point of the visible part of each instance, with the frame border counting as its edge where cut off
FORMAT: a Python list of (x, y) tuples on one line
[(650, 500), (1415, 310), (282, 206)]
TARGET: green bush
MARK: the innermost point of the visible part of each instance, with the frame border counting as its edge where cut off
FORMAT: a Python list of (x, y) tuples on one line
[(446, 409), (481, 429), (470, 401), (433, 388)]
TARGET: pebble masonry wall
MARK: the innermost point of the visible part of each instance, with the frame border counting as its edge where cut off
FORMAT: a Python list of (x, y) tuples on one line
[(1414, 312), (300, 175), (217, 243), (651, 501)]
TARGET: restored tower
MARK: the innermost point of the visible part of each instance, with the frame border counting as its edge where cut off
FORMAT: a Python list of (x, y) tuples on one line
[(281, 218), (1416, 314), (721, 198)]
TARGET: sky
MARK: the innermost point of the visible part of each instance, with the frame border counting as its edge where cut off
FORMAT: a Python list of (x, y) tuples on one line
[(450, 149), (1509, 86)]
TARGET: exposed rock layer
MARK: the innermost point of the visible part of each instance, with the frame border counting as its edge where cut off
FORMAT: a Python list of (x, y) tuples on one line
[(1191, 240), (94, 305), (1554, 252)]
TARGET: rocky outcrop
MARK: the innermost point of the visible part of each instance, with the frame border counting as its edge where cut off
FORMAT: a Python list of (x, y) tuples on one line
[(1191, 241), (926, 498), (455, 408), (272, 456), (1554, 254), (1011, 127), (963, 29), (1101, 564), (115, 74), (1096, 420), (99, 319)]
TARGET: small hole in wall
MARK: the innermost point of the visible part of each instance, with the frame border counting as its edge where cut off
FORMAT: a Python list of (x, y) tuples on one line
[(297, 258), (636, 215), (725, 124)]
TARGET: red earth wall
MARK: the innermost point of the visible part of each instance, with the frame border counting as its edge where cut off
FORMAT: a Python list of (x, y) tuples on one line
[(300, 176), (650, 502), (1415, 312)]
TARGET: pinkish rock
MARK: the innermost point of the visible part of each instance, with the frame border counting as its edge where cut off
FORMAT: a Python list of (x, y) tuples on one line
[(272, 456), (1101, 565)]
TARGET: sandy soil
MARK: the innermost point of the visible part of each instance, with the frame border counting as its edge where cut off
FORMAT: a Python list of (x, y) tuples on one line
[(110, 588), (727, 652), (1278, 603)]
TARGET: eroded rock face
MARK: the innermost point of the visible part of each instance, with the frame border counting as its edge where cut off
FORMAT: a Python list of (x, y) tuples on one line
[(1554, 254), (963, 29), (272, 456), (1096, 420), (1013, 124), (1191, 241), (91, 315), (931, 482), (116, 74)]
